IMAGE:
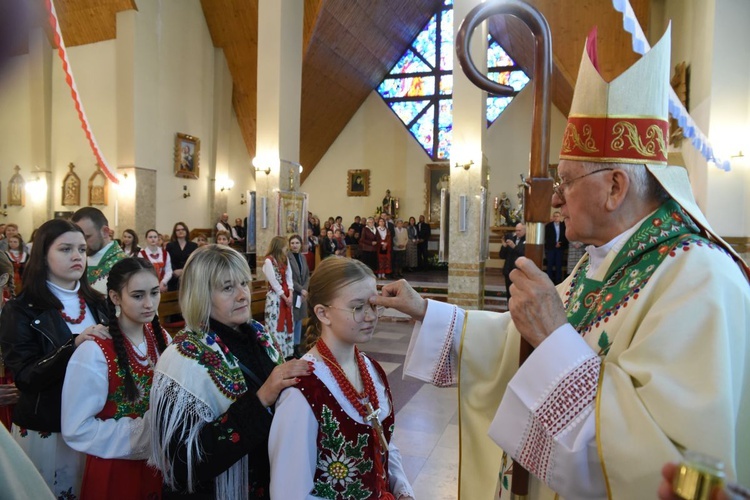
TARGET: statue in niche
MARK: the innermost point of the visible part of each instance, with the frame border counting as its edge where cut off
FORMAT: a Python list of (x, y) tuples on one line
[(504, 208), (17, 189), (390, 204), (71, 188)]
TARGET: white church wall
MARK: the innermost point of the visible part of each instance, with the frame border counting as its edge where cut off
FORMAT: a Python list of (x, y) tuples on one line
[(15, 137), (174, 92)]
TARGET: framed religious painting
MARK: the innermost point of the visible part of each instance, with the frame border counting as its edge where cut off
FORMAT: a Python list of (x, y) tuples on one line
[(71, 188), (358, 183), (17, 189), (437, 177), (98, 188), (187, 149), (292, 215)]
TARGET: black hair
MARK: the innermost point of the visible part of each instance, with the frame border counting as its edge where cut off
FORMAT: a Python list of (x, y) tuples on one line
[(119, 276), (96, 216), (36, 273)]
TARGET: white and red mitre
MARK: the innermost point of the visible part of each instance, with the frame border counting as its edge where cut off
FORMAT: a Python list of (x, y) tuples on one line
[(625, 120)]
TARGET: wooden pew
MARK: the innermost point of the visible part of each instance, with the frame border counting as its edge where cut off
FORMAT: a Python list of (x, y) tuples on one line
[(170, 306), (258, 300)]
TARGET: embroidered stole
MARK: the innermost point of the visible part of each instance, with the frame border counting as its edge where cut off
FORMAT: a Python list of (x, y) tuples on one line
[(109, 259), (590, 302)]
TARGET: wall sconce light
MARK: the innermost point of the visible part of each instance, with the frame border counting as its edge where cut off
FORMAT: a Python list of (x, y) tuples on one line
[(256, 163), (738, 155), (4, 211), (465, 166), (242, 199), (225, 184), (186, 193)]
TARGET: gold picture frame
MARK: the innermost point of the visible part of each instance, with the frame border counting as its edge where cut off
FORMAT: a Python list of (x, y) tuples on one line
[(436, 176), (358, 183), (98, 188), (187, 149), (291, 216), (71, 188), (17, 189)]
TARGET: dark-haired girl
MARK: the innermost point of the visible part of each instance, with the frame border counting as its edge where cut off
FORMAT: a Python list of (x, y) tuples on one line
[(39, 331), (107, 386), (129, 243)]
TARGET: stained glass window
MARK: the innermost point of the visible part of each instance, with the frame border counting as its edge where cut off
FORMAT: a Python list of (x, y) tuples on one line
[(419, 88)]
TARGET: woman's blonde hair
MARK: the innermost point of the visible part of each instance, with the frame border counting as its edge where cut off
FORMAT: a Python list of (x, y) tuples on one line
[(205, 271), (326, 283), (276, 249)]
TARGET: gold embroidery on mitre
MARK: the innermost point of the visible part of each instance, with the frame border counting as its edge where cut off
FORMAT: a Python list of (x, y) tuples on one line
[(572, 139), (625, 130)]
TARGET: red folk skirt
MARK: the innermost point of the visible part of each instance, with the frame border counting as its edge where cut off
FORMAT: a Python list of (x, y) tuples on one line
[(117, 479)]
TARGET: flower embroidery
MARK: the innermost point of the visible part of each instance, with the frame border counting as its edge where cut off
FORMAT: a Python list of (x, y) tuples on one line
[(339, 469), (340, 462), (206, 349)]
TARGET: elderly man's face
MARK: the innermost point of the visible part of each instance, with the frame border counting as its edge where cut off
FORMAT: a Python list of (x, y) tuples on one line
[(583, 208)]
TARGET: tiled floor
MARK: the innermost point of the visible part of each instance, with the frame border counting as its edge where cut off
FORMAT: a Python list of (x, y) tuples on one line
[(426, 417)]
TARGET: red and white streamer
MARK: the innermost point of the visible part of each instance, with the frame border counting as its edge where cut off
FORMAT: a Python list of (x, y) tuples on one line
[(101, 160)]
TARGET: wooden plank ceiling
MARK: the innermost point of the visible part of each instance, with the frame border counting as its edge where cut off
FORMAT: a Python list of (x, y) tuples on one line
[(350, 45)]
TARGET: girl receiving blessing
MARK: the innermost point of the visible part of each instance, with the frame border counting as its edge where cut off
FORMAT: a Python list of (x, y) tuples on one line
[(333, 429)]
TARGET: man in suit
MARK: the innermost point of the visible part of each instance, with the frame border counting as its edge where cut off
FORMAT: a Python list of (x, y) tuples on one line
[(513, 247), (555, 244), (423, 238)]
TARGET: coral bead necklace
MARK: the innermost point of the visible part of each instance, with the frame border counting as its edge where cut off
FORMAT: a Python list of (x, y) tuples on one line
[(79, 319), (369, 409), (369, 394)]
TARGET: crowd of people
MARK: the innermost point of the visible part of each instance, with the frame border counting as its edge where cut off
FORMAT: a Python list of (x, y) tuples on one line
[(106, 404), (388, 247)]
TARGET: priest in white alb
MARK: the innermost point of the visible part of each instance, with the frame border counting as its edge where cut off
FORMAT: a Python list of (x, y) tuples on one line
[(640, 354)]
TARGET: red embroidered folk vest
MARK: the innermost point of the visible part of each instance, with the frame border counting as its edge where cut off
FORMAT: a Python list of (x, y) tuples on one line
[(345, 464), (117, 406), (158, 265)]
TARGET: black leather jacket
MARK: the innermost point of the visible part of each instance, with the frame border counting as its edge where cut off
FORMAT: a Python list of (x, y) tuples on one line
[(36, 345)]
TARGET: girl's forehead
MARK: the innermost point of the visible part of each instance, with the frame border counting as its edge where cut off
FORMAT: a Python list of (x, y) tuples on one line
[(358, 290)]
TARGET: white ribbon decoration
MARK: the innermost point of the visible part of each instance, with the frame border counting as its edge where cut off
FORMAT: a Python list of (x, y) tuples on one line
[(676, 109)]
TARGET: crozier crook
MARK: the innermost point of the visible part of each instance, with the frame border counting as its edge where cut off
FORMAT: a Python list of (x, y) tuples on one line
[(538, 186)]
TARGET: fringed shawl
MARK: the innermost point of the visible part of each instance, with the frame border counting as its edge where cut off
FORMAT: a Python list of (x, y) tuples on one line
[(195, 382)]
